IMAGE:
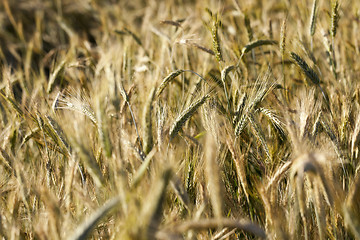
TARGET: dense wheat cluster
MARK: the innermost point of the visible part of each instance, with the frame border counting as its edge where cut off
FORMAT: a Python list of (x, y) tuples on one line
[(234, 119)]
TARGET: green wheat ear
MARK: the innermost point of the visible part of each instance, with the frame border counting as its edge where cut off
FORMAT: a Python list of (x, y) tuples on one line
[(334, 17), (216, 40), (309, 72)]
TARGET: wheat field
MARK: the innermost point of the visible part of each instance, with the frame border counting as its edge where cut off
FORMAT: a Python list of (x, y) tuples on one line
[(179, 119)]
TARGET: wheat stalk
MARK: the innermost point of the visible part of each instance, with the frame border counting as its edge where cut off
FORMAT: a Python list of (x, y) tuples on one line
[(212, 173), (75, 103), (55, 74)]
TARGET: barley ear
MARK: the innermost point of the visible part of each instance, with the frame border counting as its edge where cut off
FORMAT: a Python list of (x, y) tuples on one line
[(185, 115), (309, 72), (160, 122), (334, 17), (274, 119), (58, 132), (258, 43), (240, 125), (166, 81), (216, 40)]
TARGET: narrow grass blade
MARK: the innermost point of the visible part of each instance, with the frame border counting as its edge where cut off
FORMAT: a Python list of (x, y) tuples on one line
[(143, 167)]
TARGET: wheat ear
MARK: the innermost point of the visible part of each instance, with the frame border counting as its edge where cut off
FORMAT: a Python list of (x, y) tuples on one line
[(185, 115), (166, 81), (216, 40), (147, 123)]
